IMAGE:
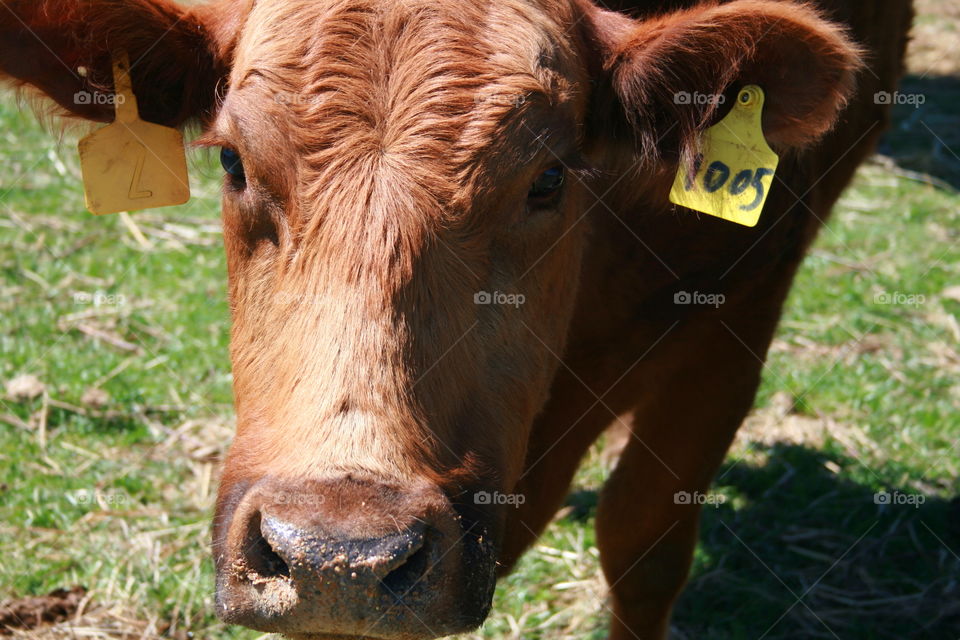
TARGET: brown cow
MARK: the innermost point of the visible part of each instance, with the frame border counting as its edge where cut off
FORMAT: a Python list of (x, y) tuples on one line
[(452, 264)]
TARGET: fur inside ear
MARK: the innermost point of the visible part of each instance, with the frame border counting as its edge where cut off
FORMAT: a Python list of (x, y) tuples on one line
[(675, 75), (62, 50)]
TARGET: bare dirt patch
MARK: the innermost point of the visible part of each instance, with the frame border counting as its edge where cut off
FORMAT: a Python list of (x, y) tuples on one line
[(935, 38), (779, 423), (35, 611)]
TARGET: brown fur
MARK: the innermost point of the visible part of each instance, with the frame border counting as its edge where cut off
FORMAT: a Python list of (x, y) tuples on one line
[(388, 148)]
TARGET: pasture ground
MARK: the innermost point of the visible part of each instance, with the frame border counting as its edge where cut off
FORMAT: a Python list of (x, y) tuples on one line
[(109, 456)]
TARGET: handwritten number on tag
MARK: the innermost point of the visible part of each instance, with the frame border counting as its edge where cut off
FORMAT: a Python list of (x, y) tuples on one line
[(718, 174), (136, 191)]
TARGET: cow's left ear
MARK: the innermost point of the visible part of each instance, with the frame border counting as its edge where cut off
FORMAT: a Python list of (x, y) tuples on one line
[(662, 76)]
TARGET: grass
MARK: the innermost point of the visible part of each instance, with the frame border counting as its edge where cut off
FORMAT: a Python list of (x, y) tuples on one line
[(860, 395)]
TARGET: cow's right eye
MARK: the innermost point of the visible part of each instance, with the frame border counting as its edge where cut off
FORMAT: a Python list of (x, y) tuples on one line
[(232, 163)]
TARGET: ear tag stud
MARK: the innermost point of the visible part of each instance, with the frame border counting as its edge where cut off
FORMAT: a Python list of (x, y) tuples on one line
[(733, 172), (131, 164)]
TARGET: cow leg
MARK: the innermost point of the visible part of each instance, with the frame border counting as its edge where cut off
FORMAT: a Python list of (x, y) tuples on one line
[(695, 392)]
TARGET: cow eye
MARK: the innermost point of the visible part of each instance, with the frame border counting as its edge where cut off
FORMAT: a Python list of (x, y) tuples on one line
[(547, 184), (232, 163)]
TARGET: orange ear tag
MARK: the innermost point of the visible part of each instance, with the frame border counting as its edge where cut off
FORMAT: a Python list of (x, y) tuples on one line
[(731, 176), (131, 164)]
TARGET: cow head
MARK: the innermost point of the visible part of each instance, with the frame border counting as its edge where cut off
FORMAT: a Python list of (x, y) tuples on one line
[(408, 190)]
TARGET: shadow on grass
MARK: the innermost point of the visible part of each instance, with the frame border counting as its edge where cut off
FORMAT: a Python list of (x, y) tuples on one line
[(925, 135), (801, 553)]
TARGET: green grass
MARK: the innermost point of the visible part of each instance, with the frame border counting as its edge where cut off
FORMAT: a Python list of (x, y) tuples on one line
[(148, 553), (119, 499)]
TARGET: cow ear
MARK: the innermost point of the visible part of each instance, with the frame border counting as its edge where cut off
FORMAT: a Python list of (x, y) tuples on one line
[(63, 49), (670, 77)]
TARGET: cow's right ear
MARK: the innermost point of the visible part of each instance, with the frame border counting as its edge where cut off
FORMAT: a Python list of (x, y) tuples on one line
[(63, 49)]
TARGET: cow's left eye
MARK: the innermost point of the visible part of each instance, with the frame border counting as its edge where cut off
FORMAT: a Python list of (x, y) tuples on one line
[(547, 184), (232, 163)]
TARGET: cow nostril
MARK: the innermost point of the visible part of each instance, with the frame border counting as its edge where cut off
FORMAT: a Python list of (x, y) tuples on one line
[(261, 559), (403, 578)]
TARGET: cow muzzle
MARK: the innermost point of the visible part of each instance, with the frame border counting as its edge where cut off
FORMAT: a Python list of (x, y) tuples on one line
[(349, 558)]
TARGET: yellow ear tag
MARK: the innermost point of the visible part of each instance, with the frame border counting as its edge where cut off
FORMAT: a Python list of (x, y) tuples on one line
[(131, 164), (731, 176)]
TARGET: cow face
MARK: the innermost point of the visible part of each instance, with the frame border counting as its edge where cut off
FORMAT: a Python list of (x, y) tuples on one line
[(408, 187), (403, 245)]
